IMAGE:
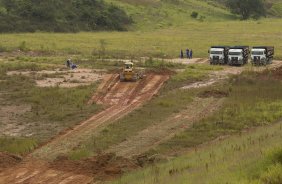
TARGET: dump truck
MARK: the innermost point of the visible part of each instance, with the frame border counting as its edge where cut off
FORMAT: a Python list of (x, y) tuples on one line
[(238, 55), (218, 55), (262, 55), (129, 73)]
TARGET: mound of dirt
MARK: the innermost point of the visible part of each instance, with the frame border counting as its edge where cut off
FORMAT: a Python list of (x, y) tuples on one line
[(7, 160), (104, 166), (213, 93)]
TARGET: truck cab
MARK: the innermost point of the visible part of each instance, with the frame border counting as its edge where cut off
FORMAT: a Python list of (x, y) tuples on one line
[(238, 55), (216, 55), (258, 55), (235, 56), (262, 55)]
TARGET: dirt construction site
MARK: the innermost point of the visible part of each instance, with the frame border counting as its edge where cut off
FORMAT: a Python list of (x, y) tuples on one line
[(46, 164)]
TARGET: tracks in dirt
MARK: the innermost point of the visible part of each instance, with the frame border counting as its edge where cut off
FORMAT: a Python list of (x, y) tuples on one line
[(160, 132), (119, 99)]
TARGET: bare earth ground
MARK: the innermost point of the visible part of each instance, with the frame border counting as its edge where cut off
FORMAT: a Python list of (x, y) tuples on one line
[(10, 125), (120, 99), (62, 78)]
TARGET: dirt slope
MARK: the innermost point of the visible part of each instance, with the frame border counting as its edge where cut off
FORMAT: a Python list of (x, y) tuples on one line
[(119, 99)]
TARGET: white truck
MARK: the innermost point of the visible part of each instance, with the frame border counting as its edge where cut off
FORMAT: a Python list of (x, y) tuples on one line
[(238, 55), (262, 55), (218, 55)]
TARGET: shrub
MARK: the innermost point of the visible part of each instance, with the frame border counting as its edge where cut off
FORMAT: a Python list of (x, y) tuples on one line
[(194, 14)]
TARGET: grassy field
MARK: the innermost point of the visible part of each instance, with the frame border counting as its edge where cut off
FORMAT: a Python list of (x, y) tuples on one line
[(251, 157), (164, 43)]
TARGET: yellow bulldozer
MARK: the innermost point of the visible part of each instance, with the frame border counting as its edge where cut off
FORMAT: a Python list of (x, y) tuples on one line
[(129, 73)]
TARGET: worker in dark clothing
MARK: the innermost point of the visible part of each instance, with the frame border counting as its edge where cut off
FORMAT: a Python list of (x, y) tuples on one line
[(187, 53), (181, 54), (191, 54), (68, 63)]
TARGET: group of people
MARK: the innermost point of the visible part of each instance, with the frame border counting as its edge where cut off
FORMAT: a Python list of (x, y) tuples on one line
[(189, 54)]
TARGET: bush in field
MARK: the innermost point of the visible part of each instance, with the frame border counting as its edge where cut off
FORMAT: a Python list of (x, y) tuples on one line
[(194, 14), (60, 16)]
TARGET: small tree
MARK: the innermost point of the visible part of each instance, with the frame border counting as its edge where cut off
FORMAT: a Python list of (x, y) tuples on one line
[(247, 8), (194, 14)]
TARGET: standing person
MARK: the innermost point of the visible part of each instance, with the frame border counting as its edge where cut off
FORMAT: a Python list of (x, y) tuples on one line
[(191, 54), (181, 54), (187, 53), (68, 63)]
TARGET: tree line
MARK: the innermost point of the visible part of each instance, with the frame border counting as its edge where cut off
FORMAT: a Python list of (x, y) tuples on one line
[(61, 16)]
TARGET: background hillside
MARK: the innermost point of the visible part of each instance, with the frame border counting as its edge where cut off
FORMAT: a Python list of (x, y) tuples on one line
[(151, 14), (60, 16), (85, 15)]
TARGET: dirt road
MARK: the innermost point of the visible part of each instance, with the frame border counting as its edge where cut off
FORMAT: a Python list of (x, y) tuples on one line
[(119, 99)]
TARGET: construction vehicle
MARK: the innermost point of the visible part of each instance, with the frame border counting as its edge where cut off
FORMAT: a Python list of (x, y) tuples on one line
[(262, 55), (218, 55), (129, 73), (238, 55)]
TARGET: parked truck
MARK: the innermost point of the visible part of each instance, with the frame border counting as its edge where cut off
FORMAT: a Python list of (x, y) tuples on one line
[(218, 55), (262, 55), (238, 55)]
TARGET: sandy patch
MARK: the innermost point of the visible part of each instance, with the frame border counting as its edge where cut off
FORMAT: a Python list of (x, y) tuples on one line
[(9, 119), (62, 78)]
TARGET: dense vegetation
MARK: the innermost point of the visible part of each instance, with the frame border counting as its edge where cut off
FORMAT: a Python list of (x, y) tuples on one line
[(247, 8), (60, 16)]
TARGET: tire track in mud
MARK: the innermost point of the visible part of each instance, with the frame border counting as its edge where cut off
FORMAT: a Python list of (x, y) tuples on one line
[(119, 98), (130, 99)]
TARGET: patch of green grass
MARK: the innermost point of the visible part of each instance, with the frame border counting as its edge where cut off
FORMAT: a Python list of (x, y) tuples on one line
[(191, 73), (238, 159), (79, 154), (195, 72), (160, 64), (17, 145)]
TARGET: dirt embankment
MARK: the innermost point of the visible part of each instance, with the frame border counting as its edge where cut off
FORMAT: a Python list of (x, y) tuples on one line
[(8, 160), (63, 170)]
